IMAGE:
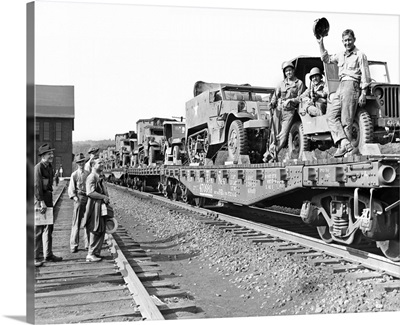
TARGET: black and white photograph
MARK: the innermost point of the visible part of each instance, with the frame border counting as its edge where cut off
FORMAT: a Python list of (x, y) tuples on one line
[(202, 162)]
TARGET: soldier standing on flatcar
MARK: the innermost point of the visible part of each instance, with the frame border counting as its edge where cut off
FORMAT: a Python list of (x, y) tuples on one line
[(43, 183), (93, 220), (354, 78), (77, 192), (285, 99)]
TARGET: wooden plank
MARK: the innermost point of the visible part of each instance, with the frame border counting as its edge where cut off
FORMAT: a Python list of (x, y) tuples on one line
[(389, 286), (364, 275), (288, 248), (89, 273), (128, 312), (93, 267), (158, 284), (344, 268), (300, 251), (86, 280), (325, 261), (146, 306), (176, 307), (80, 303), (148, 276), (166, 292), (145, 268), (82, 290)]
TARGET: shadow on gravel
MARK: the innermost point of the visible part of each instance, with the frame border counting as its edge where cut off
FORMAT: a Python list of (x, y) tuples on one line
[(165, 240), (172, 257)]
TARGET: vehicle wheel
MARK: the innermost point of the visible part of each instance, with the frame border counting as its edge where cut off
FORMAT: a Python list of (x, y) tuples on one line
[(298, 142), (175, 154), (152, 155), (362, 130), (237, 140)]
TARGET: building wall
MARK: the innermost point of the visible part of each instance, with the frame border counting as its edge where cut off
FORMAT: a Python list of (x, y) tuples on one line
[(63, 145)]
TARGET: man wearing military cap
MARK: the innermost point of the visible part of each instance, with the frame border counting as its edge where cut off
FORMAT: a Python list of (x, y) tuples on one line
[(43, 186), (94, 154), (77, 192)]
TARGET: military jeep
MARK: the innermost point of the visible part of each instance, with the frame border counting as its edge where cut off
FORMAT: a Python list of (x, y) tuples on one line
[(229, 118), (377, 122)]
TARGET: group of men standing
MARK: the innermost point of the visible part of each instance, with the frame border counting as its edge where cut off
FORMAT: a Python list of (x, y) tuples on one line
[(354, 78), (87, 190)]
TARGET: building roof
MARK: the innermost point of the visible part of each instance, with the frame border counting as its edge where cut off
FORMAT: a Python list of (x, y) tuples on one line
[(54, 101)]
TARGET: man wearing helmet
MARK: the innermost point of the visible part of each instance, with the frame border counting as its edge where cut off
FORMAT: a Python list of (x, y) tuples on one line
[(285, 99), (354, 78), (315, 96)]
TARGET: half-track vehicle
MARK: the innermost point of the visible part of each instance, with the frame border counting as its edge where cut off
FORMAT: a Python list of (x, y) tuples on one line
[(377, 122), (230, 118), (174, 143)]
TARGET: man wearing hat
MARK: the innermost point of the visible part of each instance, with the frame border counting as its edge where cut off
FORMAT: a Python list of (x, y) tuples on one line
[(77, 192), (43, 185), (285, 99), (315, 96), (94, 154), (354, 78)]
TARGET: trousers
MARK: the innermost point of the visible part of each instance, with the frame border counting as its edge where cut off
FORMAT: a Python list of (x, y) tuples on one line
[(96, 240), (340, 114), (44, 236), (282, 119), (77, 216)]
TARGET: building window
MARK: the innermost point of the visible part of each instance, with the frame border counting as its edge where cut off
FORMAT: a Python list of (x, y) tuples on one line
[(37, 130), (46, 131), (58, 162), (58, 131)]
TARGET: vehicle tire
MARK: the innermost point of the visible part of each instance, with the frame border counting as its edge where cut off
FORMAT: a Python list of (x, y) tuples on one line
[(237, 141), (152, 155), (362, 130), (297, 142)]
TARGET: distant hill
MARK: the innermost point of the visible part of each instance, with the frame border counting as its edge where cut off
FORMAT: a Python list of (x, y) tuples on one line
[(84, 146)]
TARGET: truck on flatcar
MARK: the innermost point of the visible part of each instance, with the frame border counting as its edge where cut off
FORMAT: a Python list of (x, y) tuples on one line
[(150, 137), (377, 122)]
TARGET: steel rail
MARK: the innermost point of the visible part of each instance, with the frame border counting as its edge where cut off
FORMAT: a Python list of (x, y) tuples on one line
[(350, 254), (145, 303)]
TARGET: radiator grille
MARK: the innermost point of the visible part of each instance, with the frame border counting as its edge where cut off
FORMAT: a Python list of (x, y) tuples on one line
[(391, 97)]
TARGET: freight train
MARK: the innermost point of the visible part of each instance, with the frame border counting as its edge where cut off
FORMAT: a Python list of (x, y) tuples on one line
[(228, 128)]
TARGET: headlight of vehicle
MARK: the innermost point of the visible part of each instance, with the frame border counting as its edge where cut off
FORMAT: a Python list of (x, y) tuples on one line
[(378, 92)]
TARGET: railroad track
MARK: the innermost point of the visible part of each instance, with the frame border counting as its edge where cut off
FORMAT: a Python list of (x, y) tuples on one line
[(125, 286), (357, 264)]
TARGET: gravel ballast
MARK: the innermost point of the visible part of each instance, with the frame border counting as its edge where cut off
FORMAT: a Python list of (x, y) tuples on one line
[(229, 276)]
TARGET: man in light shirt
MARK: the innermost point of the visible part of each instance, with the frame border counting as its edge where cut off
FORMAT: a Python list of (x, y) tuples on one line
[(77, 192), (354, 78)]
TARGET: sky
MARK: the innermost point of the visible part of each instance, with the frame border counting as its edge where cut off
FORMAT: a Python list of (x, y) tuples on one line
[(129, 62), (256, 61)]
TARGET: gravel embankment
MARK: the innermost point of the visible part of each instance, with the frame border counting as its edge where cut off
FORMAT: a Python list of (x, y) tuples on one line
[(277, 283)]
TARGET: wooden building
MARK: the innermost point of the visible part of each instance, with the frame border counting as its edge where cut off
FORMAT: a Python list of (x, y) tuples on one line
[(54, 123)]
